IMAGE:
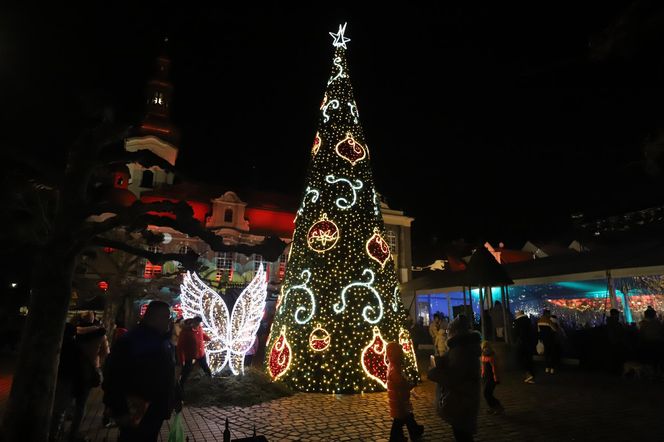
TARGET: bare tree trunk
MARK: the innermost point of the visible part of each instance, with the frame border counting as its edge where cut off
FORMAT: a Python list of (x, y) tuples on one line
[(28, 413)]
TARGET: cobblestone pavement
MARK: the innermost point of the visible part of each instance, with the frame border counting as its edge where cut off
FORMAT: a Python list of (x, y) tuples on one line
[(572, 405)]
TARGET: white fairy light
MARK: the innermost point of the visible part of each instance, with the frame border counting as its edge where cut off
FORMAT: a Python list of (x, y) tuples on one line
[(342, 202), (314, 198), (341, 306), (334, 104), (306, 276), (395, 300), (340, 72), (354, 112), (232, 335), (339, 39)]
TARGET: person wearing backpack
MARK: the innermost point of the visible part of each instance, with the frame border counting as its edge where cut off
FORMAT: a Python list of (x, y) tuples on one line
[(457, 374)]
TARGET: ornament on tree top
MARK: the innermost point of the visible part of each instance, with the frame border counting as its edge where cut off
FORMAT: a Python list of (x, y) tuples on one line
[(378, 249), (350, 150), (339, 39), (322, 235)]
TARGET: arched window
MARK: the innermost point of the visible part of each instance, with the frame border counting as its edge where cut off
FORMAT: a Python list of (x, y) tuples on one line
[(147, 180), (228, 216)]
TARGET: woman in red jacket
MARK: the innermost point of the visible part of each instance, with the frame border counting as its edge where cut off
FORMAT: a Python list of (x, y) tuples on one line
[(398, 394), (191, 348)]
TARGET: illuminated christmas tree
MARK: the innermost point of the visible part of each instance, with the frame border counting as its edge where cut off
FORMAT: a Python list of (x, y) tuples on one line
[(339, 305)]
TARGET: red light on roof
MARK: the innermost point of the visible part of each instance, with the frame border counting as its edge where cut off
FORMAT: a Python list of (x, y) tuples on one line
[(102, 285)]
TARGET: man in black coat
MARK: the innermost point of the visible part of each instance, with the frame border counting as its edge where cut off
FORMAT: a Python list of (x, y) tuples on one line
[(139, 377), (525, 342)]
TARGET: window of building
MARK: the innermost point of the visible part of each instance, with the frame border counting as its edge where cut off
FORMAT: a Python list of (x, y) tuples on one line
[(158, 98), (228, 216), (391, 239), (147, 180), (282, 266), (224, 262), (184, 249), (152, 270)]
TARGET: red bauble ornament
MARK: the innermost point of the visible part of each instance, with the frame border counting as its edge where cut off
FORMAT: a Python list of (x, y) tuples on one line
[(316, 146), (319, 339), (373, 358), (322, 235), (378, 249), (350, 150), (280, 356), (407, 345)]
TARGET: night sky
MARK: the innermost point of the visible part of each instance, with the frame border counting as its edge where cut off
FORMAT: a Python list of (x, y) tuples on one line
[(484, 122)]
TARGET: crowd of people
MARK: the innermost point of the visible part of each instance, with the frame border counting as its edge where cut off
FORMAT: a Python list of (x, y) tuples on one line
[(138, 372)]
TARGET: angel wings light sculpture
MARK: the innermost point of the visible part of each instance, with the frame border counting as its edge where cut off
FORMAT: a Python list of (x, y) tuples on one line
[(232, 335)]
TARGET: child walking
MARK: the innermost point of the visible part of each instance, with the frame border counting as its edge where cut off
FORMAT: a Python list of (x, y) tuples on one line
[(490, 378), (398, 394)]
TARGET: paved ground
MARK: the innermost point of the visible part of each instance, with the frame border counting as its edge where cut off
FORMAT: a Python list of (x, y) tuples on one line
[(566, 406), (571, 405)]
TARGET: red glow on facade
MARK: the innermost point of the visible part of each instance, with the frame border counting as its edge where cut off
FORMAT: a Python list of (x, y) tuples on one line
[(280, 223)]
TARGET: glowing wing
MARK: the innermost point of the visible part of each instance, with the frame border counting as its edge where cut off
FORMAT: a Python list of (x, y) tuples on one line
[(246, 318), (198, 299)]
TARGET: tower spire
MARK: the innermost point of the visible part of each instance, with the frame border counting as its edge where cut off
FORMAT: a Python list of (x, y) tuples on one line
[(159, 94)]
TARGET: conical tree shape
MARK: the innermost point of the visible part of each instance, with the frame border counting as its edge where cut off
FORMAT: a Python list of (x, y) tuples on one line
[(340, 304)]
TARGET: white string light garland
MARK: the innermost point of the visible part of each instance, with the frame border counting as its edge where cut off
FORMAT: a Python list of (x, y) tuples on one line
[(342, 202)]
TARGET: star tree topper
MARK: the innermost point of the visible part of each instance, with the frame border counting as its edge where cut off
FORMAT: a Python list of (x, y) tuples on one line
[(339, 39)]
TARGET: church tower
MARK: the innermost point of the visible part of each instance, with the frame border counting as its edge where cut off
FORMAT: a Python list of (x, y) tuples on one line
[(156, 132)]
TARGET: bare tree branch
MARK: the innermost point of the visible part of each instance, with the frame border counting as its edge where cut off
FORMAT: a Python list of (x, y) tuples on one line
[(189, 260)]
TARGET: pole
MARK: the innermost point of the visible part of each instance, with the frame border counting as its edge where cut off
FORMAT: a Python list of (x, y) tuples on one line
[(482, 318), (505, 315)]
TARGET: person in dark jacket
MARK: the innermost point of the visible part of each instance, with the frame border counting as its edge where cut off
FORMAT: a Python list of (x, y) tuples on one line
[(458, 375), (524, 336), (70, 377), (490, 378), (93, 348), (547, 330), (139, 382)]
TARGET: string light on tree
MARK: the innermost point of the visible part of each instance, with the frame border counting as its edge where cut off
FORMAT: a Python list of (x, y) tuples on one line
[(232, 334), (341, 306), (342, 202), (305, 275), (353, 112), (333, 321), (334, 104)]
